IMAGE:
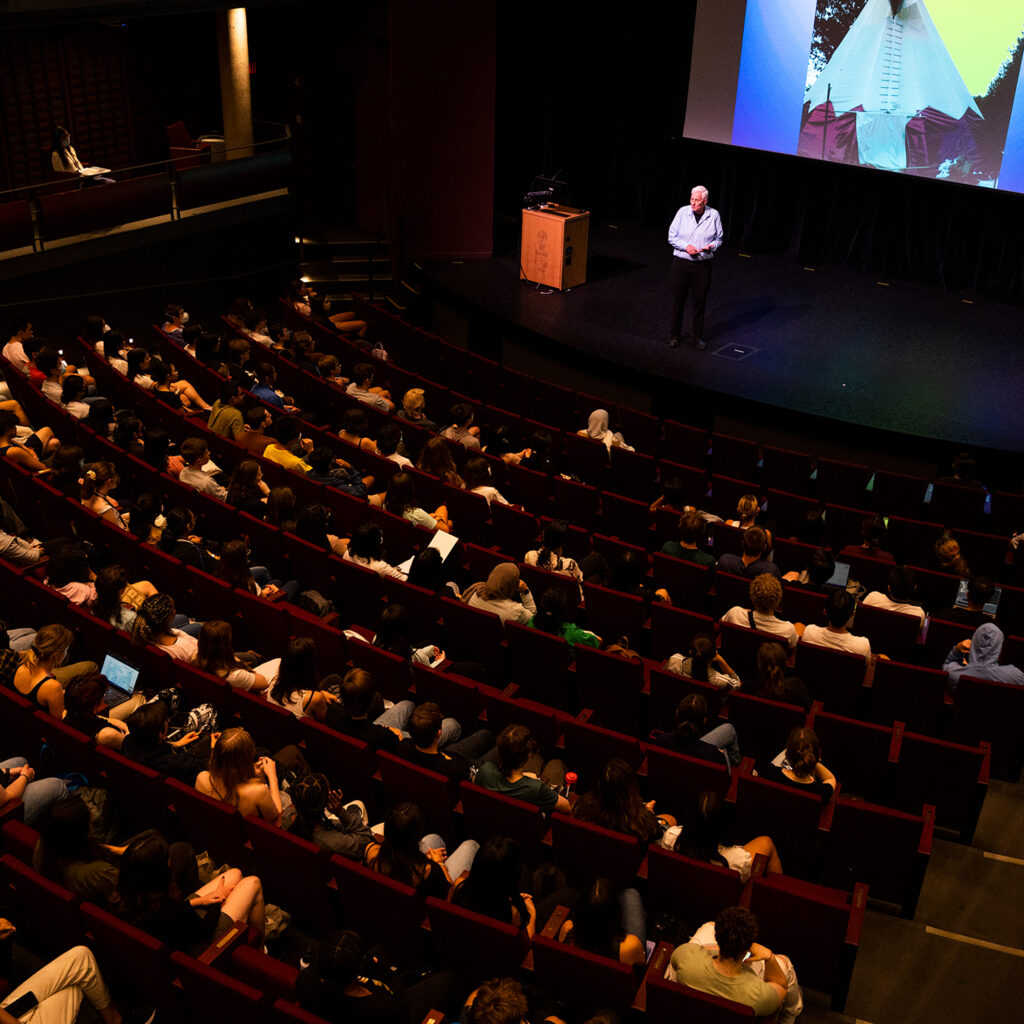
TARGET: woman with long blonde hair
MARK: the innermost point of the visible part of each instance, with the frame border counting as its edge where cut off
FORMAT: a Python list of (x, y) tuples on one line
[(40, 677), (237, 777)]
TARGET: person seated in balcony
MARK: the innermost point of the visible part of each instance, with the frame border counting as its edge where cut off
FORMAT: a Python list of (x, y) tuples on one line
[(72, 392), (266, 390), (216, 654), (150, 900), (800, 766), (153, 625), (610, 924), (693, 531), (64, 160), (247, 490), (14, 351), (363, 389), (254, 436), (400, 499), (99, 479), (182, 759), (692, 737), (366, 548), (551, 618), (42, 674), (179, 394), (752, 561), (704, 664), (435, 459), (354, 430), (766, 597), (947, 557), (86, 710), (522, 773), (289, 441), (196, 453), (477, 474), (175, 318), (979, 592), (32, 453), (503, 593), (390, 446), (839, 611), (979, 658), (18, 782), (774, 681), (703, 838), (899, 595), (461, 428), (323, 817), (255, 326), (873, 534), (615, 803), (422, 861), (459, 759), (820, 568), (414, 409), (238, 777), (597, 429), (723, 959), (334, 472)]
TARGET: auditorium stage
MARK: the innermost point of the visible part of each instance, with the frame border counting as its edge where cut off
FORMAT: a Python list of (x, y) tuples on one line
[(824, 342)]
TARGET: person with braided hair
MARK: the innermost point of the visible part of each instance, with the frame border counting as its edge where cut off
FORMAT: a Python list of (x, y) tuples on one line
[(153, 625)]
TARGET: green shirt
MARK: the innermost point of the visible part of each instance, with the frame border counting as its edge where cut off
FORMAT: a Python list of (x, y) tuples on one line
[(533, 791), (694, 966), (225, 420), (676, 550), (573, 634)]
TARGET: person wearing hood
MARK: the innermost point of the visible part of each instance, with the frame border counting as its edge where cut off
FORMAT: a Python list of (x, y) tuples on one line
[(979, 659), (504, 593)]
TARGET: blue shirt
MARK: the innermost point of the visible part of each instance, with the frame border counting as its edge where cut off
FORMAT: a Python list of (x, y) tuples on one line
[(268, 395), (685, 230)]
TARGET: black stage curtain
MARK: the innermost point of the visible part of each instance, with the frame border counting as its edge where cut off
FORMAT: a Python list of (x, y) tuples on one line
[(603, 98)]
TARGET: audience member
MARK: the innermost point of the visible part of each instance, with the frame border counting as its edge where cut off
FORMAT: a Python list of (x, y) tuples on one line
[(979, 659), (765, 596), (840, 608), (899, 594), (752, 562)]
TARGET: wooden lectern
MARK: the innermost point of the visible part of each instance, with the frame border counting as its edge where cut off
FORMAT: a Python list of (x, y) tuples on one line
[(554, 251)]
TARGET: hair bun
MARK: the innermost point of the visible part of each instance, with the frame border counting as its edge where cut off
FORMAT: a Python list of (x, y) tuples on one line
[(91, 474)]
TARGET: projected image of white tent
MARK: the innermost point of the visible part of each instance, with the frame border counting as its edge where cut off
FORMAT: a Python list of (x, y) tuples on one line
[(891, 96)]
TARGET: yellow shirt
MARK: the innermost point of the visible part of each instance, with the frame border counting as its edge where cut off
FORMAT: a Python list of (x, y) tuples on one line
[(285, 458)]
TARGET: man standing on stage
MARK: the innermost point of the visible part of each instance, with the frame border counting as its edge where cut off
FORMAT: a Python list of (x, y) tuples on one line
[(695, 235)]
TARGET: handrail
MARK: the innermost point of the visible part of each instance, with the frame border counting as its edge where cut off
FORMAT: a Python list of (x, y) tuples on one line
[(167, 164)]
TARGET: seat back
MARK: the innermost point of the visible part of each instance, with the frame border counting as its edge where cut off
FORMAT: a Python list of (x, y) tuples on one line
[(836, 678), (694, 890), (135, 964), (47, 912), (347, 762), (472, 634), (587, 852), (589, 981), (673, 628), (293, 872), (951, 776), (891, 633), (588, 748), (819, 928), (740, 645), (687, 582), (987, 710), (378, 908), (793, 819), (487, 814), (476, 946), (863, 755), (539, 664), (208, 824), (391, 672), (543, 722), (611, 613), (763, 725), (458, 696), (676, 781), (210, 994), (610, 685), (908, 693), (669, 688), (432, 792), (669, 1001), (894, 867)]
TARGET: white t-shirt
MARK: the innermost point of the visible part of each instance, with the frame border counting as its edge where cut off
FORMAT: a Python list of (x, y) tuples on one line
[(683, 666), (736, 857), (243, 679), (824, 637), (879, 600), (737, 616), (184, 648), (491, 494), (202, 482)]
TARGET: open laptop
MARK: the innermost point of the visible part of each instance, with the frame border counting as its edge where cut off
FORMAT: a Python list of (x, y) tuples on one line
[(122, 679), (991, 606), (840, 577)]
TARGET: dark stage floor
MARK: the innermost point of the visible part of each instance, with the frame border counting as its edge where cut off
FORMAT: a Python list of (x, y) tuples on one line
[(901, 357)]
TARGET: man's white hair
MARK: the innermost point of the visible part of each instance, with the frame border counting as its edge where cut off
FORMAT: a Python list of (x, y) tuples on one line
[(701, 189)]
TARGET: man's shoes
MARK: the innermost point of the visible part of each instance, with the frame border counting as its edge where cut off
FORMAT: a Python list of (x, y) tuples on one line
[(700, 343), (673, 343)]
